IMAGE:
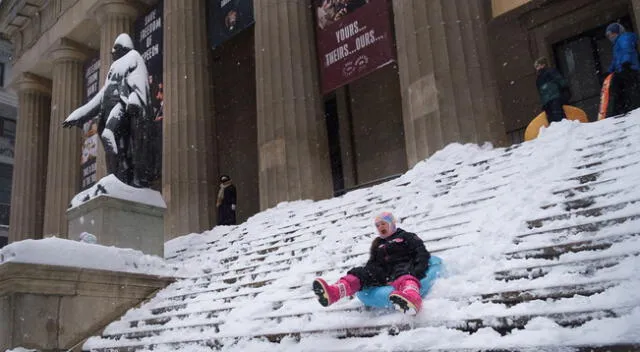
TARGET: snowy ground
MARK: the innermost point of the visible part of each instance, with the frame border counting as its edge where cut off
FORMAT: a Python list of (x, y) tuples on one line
[(491, 214)]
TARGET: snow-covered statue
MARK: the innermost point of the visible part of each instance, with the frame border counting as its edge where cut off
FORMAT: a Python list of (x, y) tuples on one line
[(123, 112)]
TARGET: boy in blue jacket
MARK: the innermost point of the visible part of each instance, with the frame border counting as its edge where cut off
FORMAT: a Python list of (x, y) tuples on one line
[(624, 95)]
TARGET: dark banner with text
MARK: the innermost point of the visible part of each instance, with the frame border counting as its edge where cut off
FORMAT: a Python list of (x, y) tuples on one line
[(353, 37), (148, 42), (90, 128), (228, 18)]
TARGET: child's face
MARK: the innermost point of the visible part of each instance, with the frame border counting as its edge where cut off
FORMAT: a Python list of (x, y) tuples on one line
[(383, 228)]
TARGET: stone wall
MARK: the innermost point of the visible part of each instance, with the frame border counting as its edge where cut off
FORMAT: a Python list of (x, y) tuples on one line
[(53, 308)]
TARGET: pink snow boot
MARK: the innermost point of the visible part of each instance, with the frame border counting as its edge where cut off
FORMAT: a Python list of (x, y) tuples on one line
[(406, 296), (330, 294)]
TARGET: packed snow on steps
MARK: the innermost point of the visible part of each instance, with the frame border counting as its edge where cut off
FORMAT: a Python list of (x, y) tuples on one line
[(523, 186), (475, 206)]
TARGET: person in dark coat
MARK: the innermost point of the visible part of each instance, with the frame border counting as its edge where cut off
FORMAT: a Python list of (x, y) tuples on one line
[(397, 257), (624, 92), (552, 88), (226, 202)]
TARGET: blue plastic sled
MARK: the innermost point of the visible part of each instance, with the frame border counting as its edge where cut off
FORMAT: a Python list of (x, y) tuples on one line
[(379, 296)]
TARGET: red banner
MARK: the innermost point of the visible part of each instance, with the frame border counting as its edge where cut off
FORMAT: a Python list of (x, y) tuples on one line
[(354, 38)]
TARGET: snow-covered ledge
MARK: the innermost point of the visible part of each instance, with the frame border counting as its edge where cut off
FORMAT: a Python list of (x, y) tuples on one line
[(119, 215), (54, 293)]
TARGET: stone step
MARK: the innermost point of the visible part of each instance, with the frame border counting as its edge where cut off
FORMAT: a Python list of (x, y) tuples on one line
[(623, 126), (602, 161), (233, 276), (554, 251), (292, 235), (479, 191), (542, 348), (211, 245), (445, 188), (573, 191), (572, 229), (593, 176), (596, 211), (260, 283), (500, 275), (501, 324), (545, 252), (587, 226), (583, 202), (508, 298), (601, 153), (293, 240), (548, 252), (582, 266), (607, 140)]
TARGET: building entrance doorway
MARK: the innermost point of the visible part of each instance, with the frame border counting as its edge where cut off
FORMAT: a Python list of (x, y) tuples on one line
[(333, 134), (584, 60)]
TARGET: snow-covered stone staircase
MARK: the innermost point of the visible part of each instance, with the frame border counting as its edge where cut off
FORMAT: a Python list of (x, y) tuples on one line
[(540, 241)]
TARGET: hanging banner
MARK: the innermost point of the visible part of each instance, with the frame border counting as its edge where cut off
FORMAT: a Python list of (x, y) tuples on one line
[(148, 42), (353, 38), (228, 18), (90, 128)]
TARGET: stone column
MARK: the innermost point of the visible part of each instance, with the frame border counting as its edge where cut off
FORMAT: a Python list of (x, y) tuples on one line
[(635, 5), (30, 166), (65, 144), (292, 137), (448, 89), (114, 17), (189, 177)]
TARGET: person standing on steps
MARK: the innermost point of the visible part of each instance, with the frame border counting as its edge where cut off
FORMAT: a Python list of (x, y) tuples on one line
[(397, 258), (624, 92), (552, 88), (226, 201)]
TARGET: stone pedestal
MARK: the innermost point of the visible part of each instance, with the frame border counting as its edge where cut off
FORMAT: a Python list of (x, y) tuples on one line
[(55, 308), (120, 223)]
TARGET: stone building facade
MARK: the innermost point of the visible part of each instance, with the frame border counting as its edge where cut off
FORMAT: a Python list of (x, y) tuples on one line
[(570, 33), (253, 108)]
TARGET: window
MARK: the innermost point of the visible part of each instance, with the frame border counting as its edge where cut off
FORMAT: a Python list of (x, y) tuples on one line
[(6, 173), (1, 74), (7, 128)]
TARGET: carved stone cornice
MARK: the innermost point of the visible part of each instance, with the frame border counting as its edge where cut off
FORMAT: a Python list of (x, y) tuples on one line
[(66, 49), (105, 9), (30, 82)]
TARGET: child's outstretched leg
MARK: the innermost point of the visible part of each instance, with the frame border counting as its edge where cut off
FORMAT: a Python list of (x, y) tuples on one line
[(329, 294), (406, 296)]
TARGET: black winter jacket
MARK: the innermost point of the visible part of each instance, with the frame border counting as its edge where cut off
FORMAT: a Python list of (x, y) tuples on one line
[(551, 85), (226, 214), (399, 254)]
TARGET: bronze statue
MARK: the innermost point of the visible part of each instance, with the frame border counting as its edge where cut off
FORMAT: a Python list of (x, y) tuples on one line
[(123, 112)]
